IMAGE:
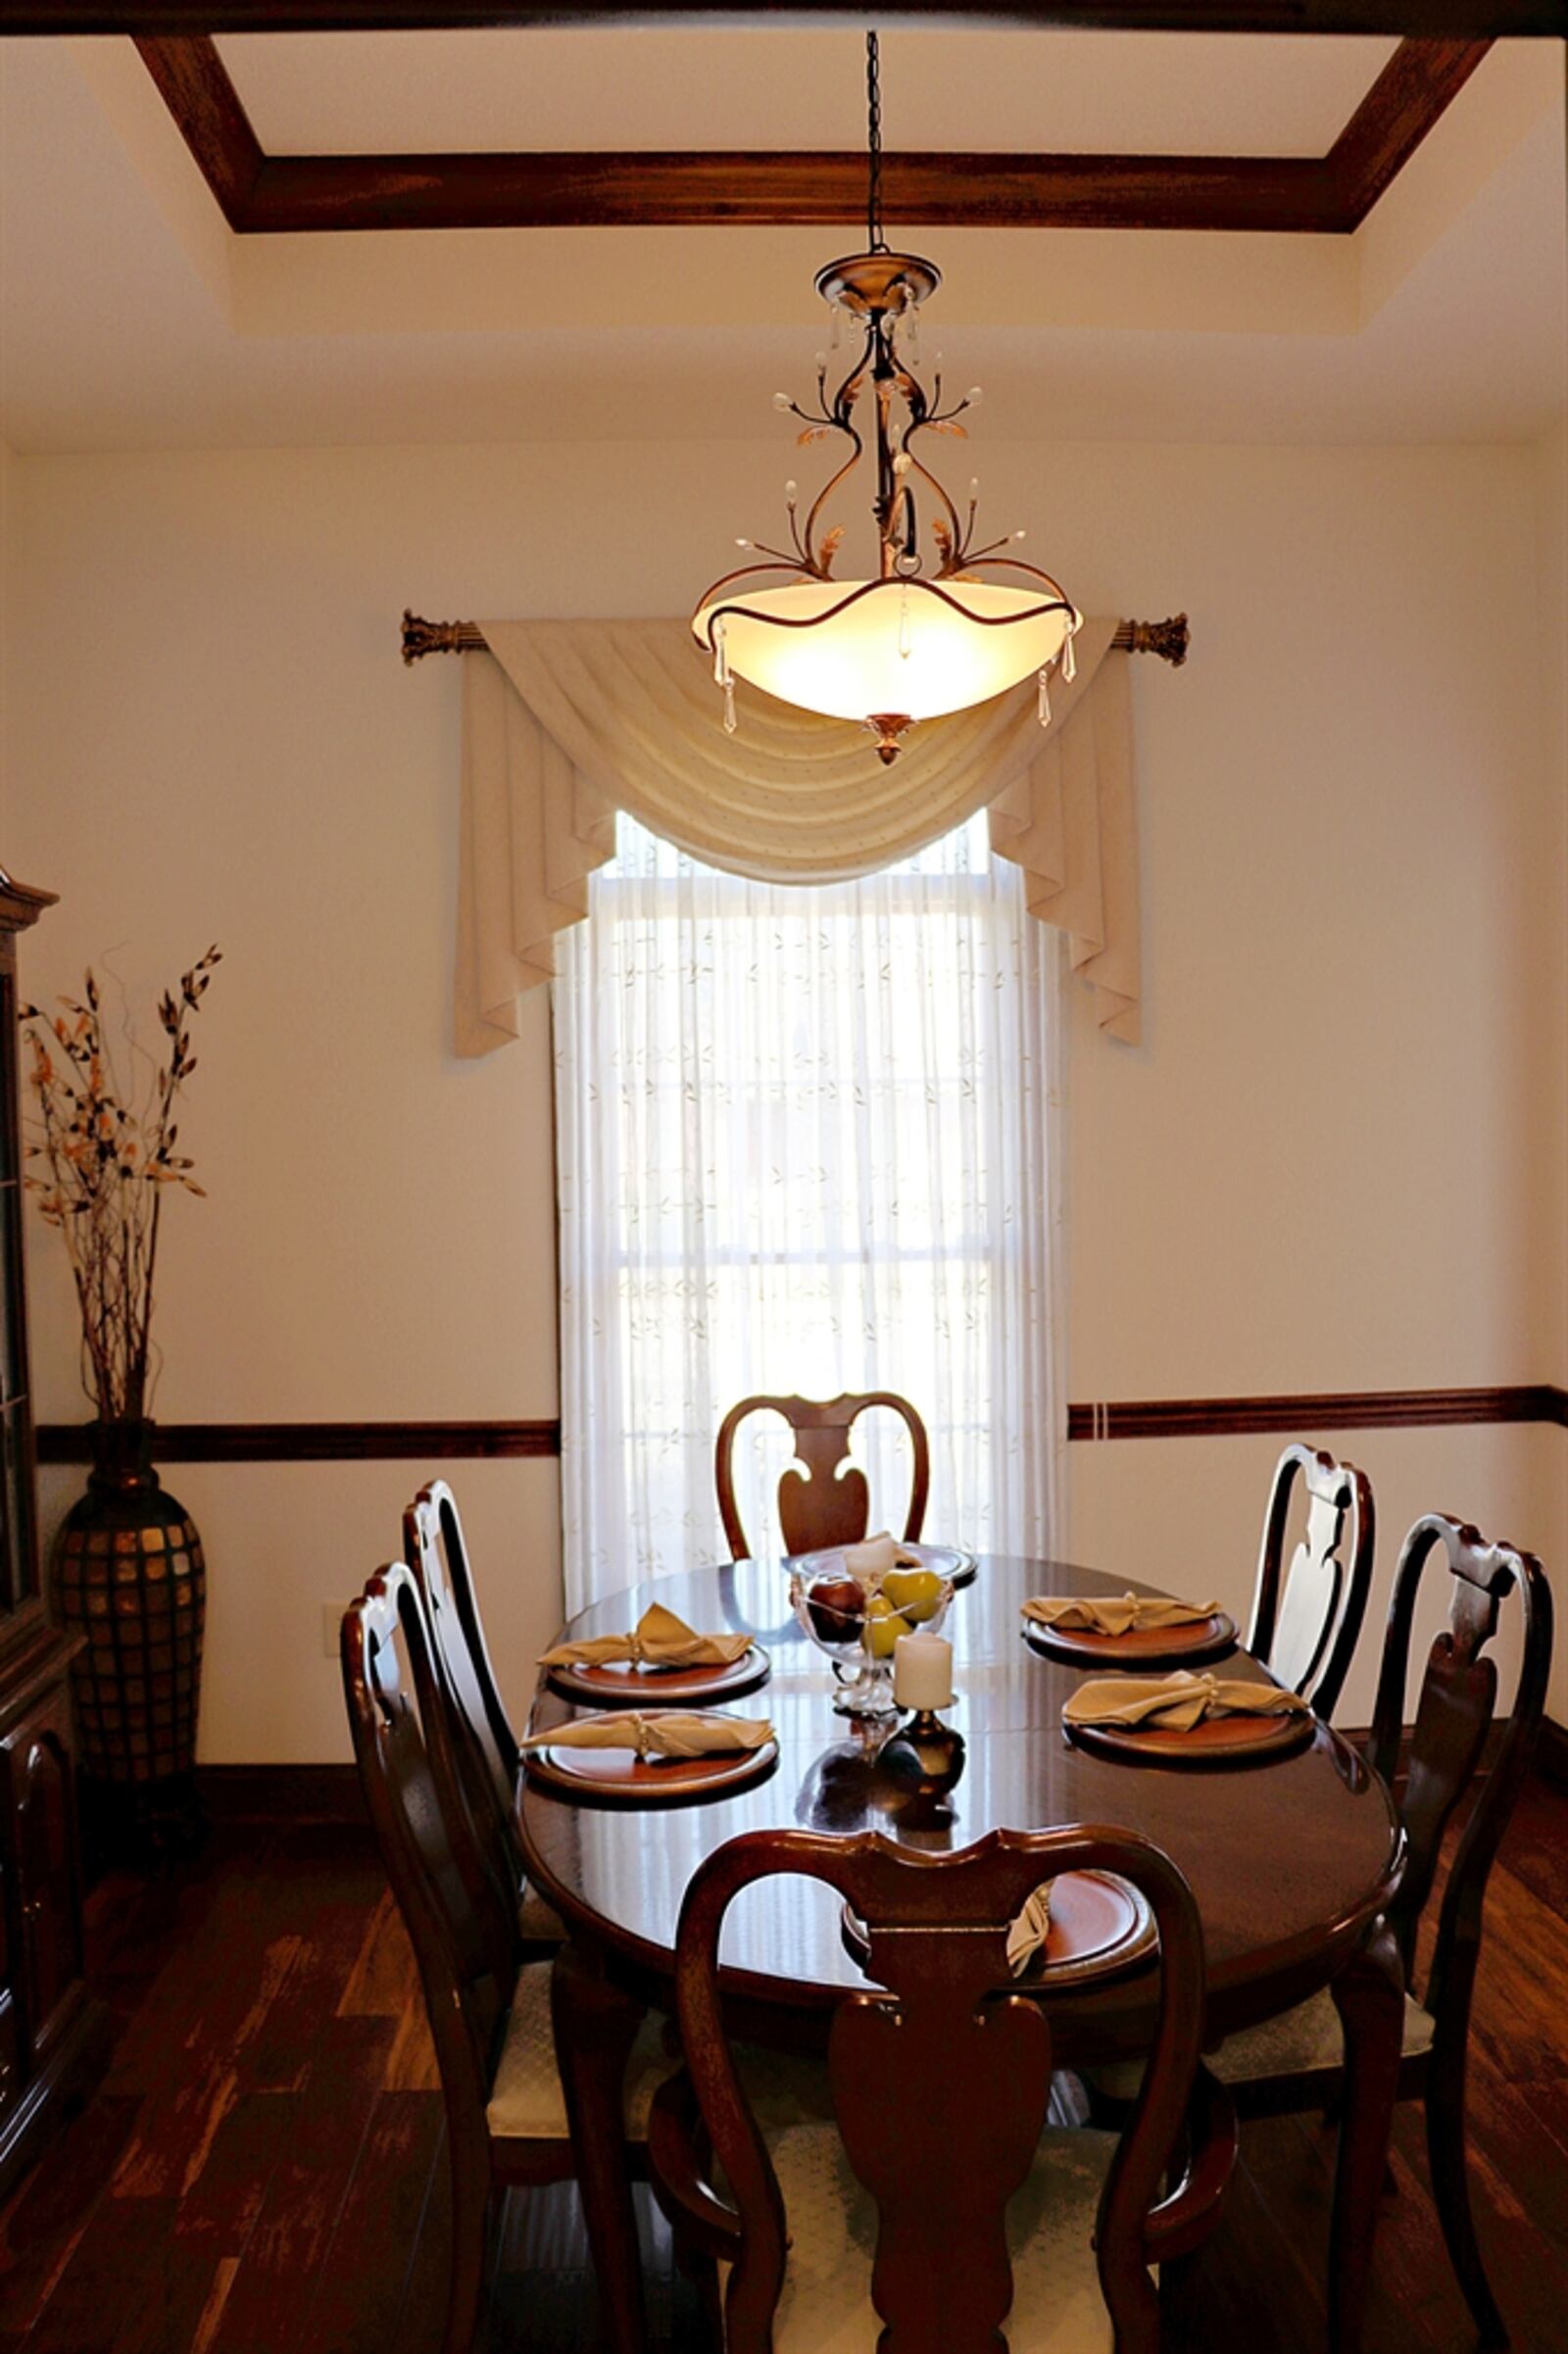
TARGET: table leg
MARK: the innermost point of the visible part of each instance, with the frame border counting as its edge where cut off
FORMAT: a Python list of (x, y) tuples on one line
[(595, 2023), (1369, 1996)]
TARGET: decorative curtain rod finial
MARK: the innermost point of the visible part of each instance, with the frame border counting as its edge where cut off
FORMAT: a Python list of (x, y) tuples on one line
[(1168, 639), (420, 637)]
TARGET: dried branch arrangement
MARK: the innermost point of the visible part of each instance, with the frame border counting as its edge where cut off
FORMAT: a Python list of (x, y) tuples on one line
[(111, 1154)]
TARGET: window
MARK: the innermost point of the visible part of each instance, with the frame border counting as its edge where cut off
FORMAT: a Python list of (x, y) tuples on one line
[(805, 1144)]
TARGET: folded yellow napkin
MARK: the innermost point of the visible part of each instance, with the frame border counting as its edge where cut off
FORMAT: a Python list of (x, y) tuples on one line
[(876, 1556), (661, 1640), (1175, 1702), (1114, 1614), (1029, 1932), (667, 1733)]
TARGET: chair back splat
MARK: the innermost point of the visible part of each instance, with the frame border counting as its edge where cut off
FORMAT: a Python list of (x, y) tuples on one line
[(463, 1942), (1454, 1716), (819, 1505), (1306, 1620), (939, 2077), (485, 1743)]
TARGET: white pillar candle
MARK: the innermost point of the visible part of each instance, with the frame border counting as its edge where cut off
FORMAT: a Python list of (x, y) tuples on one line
[(922, 1671)]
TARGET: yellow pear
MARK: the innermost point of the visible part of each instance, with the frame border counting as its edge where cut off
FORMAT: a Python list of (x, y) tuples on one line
[(883, 1627), (916, 1593)]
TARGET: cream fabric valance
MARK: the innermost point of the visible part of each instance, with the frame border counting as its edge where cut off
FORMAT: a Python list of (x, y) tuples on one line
[(566, 722)]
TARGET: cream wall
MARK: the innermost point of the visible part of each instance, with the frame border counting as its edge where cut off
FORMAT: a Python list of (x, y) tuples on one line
[(1336, 1162)]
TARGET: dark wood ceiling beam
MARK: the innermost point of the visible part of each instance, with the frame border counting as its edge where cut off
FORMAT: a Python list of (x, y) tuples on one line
[(1327, 196), (1419, 82), (195, 86), (1460, 19), (1320, 196), (810, 190)]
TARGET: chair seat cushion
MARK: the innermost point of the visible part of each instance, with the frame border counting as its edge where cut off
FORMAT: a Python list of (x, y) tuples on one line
[(827, 2303), (1303, 2041), (528, 2103), (527, 2100)]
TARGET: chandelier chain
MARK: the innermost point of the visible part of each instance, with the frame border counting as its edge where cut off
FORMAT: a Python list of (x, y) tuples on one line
[(875, 240)]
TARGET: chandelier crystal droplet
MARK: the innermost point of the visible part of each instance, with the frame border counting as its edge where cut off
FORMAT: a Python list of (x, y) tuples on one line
[(920, 637)]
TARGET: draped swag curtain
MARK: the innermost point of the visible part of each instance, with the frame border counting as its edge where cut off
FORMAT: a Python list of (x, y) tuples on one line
[(566, 722)]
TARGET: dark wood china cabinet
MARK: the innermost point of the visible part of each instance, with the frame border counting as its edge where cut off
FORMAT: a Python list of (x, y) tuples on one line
[(51, 2031)]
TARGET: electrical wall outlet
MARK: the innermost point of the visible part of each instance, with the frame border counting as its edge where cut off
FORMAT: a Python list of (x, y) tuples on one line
[(332, 1629)]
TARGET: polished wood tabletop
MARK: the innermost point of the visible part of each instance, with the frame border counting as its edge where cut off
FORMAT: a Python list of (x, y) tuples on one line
[(1290, 1861)]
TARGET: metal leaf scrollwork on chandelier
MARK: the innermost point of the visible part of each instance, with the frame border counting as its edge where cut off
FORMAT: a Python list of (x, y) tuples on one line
[(922, 637)]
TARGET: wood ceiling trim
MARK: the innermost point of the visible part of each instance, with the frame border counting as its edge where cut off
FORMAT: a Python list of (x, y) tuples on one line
[(661, 191), (1418, 85), (1445, 19), (194, 84), (1327, 195)]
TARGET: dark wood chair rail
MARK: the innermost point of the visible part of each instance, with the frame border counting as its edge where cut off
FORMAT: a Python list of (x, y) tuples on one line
[(1140, 1418)]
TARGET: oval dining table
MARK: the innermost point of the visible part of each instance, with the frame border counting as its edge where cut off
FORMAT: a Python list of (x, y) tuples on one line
[(1292, 1862)]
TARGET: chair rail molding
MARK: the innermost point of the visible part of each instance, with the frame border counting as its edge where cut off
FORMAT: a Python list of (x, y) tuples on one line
[(1133, 1418), (1316, 1410)]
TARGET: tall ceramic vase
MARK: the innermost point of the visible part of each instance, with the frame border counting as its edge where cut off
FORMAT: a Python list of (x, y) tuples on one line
[(129, 1578)]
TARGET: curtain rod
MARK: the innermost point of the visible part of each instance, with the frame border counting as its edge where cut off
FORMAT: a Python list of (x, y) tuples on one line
[(1168, 639)]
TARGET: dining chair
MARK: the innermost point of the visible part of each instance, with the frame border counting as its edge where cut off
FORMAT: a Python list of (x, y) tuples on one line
[(820, 1505), (1306, 1619), (490, 2010), (485, 1745), (934, 2200), (1294, 2062)]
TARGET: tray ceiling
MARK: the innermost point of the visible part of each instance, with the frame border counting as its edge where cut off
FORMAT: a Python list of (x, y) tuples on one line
[(132, 317), (637, 87), (748, 80)]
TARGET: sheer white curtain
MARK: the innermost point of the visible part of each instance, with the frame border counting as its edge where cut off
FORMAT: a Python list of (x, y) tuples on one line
[(806, 1143)]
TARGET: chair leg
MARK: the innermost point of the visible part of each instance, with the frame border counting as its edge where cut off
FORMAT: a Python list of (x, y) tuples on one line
[(1183, 2320), (596, 2026), (1451, 2188), (1369, 1996), (470, 2248), (701, 2272)]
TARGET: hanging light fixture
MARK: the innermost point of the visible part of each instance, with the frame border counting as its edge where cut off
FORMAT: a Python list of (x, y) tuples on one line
[(914, 641)]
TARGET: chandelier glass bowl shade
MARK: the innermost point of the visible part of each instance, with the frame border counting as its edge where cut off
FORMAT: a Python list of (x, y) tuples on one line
[(925, 634)]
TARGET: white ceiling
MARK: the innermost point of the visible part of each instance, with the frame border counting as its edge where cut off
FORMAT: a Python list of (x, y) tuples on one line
[(629, 87), (131, 317)]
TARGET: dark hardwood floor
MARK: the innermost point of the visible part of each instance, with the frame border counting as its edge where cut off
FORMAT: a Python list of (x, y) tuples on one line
[(261, 2171)]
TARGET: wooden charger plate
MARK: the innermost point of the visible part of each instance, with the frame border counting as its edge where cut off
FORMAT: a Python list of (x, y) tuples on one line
[(1213, 1741), (619, 1777), (1138, 1647), (949, 1561), (1100, 1924), (633, 1684)]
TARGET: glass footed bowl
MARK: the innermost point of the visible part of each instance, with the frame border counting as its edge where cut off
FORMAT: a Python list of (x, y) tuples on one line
[(846, 1637)]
